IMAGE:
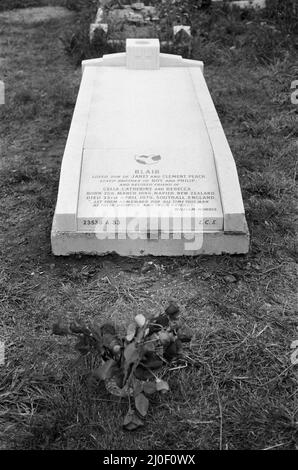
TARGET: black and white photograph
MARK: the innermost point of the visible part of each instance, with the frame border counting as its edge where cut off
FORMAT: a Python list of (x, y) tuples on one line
[(148, 229)]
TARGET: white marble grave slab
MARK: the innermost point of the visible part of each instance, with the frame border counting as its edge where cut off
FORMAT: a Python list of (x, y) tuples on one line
[(144, 158), (147, 168)]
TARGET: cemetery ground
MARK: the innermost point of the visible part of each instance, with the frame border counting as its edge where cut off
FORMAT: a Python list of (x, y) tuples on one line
[(239, 390)]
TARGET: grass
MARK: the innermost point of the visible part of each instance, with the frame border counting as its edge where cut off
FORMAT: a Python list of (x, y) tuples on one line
[(13, 4), (239, 389)]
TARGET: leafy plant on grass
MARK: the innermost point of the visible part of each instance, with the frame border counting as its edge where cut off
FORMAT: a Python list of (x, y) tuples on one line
[(129, 365)]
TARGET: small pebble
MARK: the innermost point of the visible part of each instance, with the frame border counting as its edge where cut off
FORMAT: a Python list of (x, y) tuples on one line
[(230, 278)]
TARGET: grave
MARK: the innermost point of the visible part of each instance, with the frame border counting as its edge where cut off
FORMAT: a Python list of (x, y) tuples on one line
[(147, 169)]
